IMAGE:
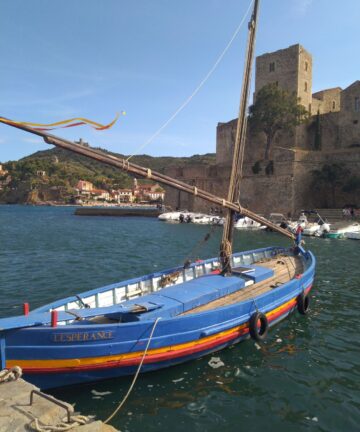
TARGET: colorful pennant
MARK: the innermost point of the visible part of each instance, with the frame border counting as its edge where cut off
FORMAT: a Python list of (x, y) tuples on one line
[(77, 121)]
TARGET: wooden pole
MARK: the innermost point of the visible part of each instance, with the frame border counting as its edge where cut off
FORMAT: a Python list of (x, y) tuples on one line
[(137, 170), (239, 146)]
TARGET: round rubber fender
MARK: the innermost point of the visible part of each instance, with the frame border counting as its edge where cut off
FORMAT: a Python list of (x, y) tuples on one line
[(258, 332), (303, 303)]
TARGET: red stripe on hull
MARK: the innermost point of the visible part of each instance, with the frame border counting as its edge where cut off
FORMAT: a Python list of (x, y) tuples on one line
[(169, 355)]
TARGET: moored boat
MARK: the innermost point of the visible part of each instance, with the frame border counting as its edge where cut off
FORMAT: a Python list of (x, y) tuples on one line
[(353, 235), (173, 216), (318, 227), (103, 333), (342, 229), (191, 217), (246, 223)]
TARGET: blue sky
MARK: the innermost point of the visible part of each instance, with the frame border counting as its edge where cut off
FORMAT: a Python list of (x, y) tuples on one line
[(93, 58)]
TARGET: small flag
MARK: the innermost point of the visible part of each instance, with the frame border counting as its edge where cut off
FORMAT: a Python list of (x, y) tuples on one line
[(77, 121)]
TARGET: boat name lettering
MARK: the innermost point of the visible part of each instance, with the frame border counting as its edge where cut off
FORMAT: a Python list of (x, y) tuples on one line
[(83, 336)]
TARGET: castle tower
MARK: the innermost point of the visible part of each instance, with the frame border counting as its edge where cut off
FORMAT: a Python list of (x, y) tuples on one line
[(290, 69)]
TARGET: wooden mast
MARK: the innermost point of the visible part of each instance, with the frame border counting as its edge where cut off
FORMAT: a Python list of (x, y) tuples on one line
[(239, 146), (140, 171)]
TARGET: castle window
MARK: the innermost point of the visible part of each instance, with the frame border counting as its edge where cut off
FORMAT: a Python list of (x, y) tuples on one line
[(306, 66), (333, 105), (357, 104), (272, 67), (306, 86)]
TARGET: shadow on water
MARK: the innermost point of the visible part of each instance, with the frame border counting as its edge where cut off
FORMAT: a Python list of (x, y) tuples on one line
[(303, 377)]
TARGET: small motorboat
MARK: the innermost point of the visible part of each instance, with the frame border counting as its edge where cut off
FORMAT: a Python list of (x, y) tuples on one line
[(208, 220), (246, 223), (318, 227), (173, 216), (353, 235), (343, 229)]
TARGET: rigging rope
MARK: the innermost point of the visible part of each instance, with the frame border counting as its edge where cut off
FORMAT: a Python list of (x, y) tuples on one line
[(197, 89), (136, 375), (198, 245)]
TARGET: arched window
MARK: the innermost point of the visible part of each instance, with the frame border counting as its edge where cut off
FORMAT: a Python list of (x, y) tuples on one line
[(305, 86), (333, 105)]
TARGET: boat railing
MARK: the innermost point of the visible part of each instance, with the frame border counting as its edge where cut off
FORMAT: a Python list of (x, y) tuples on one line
[(114, 294)]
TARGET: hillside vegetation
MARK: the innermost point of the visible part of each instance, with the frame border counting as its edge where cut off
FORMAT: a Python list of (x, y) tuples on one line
[(63, 169)]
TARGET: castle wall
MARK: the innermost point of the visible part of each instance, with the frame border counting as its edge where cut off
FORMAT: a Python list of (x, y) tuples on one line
[(225, 138), (349, 122), (326, 101), (333, 136)]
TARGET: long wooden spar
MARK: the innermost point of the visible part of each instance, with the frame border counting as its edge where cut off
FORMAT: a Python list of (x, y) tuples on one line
[(125, 165)]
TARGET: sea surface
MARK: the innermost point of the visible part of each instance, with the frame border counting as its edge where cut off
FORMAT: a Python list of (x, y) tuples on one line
[(305, 377)]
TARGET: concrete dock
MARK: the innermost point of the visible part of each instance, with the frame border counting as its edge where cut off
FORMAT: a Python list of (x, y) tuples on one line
[(21, 404), (118, 211)]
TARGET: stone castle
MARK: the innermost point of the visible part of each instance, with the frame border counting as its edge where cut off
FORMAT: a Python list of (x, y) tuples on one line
[(332, 135)]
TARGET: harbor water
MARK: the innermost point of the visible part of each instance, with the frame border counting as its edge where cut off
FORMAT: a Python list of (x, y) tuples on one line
[(305, 377)]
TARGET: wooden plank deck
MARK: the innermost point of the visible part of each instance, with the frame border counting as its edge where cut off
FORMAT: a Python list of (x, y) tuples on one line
[(285, 268)]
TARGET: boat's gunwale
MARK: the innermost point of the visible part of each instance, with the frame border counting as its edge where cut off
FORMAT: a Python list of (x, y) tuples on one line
[(260, 302), (61, 302)]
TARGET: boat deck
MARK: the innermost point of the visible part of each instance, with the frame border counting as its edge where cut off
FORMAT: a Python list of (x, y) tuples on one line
[(285, 268)]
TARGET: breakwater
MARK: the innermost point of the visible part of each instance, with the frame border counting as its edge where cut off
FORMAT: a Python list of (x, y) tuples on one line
[(118, 211)]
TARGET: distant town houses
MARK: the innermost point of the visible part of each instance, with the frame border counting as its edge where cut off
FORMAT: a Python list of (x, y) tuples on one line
[(140, 193), (4, 178), (2, 171)]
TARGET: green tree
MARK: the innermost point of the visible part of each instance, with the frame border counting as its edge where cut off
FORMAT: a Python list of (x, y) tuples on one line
[(330, 177), (274, 110)]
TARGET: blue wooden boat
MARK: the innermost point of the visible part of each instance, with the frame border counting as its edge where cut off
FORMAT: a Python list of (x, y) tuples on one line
[(162, 319), (102, 334)]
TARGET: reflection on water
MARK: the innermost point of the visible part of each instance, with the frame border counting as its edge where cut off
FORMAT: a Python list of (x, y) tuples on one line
[(305, 376)]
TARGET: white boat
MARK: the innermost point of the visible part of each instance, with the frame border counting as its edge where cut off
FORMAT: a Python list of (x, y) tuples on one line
[(246, 223), (318, 228), (187, 217), (343, 229), (178, 216), (204, 219), (353, 235), (172, 216)]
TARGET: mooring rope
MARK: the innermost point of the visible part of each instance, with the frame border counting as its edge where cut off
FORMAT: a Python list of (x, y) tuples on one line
[(76, 420), (136, 375), (194, 93), (11, 374)]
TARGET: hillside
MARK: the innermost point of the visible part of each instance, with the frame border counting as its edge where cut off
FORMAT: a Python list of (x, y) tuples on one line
[(51, 175)]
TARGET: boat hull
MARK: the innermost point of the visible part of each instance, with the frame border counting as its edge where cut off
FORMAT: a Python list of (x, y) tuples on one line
[(76, 353), (58, 372)]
